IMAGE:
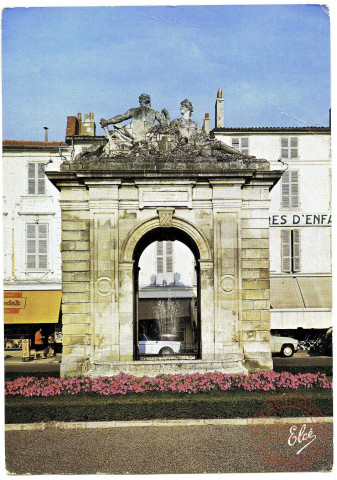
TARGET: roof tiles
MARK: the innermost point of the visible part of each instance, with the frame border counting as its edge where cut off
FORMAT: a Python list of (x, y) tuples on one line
[(24, 143)]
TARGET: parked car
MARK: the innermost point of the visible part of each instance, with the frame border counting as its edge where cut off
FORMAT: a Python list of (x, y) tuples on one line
[(158, 347), (286, 346)]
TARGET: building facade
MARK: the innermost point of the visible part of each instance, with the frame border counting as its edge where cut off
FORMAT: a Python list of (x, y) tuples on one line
[(31, 240), (32, 232), (300, 221)]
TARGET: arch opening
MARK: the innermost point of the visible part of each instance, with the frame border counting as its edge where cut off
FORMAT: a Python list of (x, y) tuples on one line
[(166, 276)]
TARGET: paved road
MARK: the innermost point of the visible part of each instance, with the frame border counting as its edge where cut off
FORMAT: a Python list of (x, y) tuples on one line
[(302, 359), (29, 368), (140, 450), (14, 364)]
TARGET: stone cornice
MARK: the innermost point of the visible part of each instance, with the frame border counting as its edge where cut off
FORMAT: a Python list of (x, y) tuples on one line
[(249, 176)]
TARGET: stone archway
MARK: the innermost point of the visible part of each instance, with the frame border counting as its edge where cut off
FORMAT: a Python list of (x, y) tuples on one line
[(110, 200)]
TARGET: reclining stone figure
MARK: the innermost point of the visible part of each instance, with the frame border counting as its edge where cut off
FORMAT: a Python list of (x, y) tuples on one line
[(189, 131), (143, 119)]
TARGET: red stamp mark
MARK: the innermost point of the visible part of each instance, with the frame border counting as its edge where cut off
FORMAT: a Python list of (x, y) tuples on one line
[(288, 446)]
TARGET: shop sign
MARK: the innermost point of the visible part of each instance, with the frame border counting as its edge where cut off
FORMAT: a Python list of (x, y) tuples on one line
[(15, 302), (33, 306), (25, 348), (300, 220)]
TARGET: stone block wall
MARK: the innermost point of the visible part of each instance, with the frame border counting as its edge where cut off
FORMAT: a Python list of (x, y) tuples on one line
[(76, 297), (255, 294)]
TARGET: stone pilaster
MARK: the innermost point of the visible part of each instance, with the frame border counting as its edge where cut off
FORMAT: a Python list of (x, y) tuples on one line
[(207, 309), (104, 267), (126, 311), (226, 291), (226, 225)]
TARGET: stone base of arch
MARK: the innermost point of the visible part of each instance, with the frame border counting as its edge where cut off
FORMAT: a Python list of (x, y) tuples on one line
[(104, 218), (234, 364)]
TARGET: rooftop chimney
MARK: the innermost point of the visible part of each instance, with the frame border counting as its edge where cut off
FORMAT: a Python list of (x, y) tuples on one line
[(73, 126), (88, 126), (79, 118), (206, 125), (219, 110), (45, 134)]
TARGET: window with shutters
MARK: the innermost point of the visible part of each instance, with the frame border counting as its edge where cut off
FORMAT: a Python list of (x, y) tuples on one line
[(290, 251), (160, 257), (289, 147), (165, 257), (289, 189), (36, 246), (241, 144), (36, 179), (169, 257)]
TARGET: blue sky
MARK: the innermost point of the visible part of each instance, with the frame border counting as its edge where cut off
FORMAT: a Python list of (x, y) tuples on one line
[(271, 61)]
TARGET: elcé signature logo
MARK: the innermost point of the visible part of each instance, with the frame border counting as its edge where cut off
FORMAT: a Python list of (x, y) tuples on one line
[(283, 445), (299, 435)]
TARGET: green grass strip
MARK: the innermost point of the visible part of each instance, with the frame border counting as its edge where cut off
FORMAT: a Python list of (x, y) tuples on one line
[(152, 405)]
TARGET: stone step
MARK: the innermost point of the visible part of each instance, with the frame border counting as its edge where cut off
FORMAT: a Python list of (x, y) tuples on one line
[(157, 358), (169, 366)]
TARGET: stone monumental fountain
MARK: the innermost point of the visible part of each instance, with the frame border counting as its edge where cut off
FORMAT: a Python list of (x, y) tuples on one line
[(156, 179)]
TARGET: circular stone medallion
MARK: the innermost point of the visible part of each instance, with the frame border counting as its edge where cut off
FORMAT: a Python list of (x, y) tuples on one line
[(104, 286), (227, 283)]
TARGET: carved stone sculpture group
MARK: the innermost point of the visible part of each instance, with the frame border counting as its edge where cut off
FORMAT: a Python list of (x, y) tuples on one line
[(152, 138)]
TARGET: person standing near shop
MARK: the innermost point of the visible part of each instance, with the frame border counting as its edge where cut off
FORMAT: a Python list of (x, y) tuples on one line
[(38, 341), (51, 345)]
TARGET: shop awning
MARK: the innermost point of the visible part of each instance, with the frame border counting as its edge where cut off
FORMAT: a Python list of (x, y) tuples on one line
[(284, 293), (38, 306), (316, 291), (300, 292)]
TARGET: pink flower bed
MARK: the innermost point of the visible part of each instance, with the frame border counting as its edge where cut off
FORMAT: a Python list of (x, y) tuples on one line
[(188, 383)]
